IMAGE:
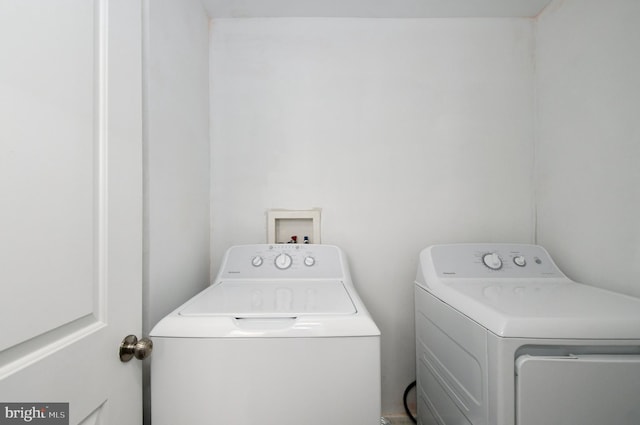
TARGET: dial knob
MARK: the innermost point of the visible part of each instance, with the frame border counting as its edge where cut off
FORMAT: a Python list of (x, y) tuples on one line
[(283, 261), (309, 261), (256, 261), (492, 260), (519, 261)]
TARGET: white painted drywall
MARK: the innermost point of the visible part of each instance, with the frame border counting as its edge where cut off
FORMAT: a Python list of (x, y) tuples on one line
[(176, 158), (405, 132), (588, 142), (176, 154)]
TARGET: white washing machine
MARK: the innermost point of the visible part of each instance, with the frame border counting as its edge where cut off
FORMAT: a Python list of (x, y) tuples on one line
[(281, 337), (503, 337)]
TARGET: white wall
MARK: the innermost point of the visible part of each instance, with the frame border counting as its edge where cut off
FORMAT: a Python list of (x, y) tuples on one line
[(177, 154), (588, 142), (405, 132), (176, 158)]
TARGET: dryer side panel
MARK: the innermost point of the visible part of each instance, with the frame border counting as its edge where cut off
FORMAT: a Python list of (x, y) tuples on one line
[(451, 364)]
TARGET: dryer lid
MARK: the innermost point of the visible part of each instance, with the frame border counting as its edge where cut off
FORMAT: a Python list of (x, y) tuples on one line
[(254, 299), (543, 308)]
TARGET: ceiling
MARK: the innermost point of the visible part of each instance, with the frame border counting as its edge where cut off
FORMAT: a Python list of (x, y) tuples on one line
[(374, 8)]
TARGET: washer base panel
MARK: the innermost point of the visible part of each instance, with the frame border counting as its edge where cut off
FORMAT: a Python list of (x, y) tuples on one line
[(267, 381)]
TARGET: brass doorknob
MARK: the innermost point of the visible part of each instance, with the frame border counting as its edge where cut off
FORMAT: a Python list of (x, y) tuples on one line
[(132, 347)]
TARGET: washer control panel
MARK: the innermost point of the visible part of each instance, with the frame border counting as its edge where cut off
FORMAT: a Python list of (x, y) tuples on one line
[(274, 261), (492, 260)]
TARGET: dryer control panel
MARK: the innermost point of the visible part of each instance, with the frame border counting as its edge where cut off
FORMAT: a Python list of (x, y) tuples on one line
[(278, 261), (492, 260)]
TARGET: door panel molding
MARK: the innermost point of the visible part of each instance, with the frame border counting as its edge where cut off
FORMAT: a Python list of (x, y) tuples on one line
[(26, 353)]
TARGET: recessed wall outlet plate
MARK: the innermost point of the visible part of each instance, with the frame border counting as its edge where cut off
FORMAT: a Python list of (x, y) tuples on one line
[(293, 226)]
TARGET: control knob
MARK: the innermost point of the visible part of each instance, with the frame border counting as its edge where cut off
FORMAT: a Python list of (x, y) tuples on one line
[(519, 261), (492, 260), (283, 261)]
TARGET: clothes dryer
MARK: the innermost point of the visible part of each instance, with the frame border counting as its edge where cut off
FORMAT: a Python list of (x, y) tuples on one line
[(503, 337), (281, 337)]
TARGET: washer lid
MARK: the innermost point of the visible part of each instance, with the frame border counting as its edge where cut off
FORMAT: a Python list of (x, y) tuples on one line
[(543, 308), (254, 299)]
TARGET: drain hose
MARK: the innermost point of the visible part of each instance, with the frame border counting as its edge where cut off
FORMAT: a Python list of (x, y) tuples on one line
[(406, 406)]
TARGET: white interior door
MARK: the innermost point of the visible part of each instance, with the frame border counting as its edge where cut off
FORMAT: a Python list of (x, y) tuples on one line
[(70, 205)]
